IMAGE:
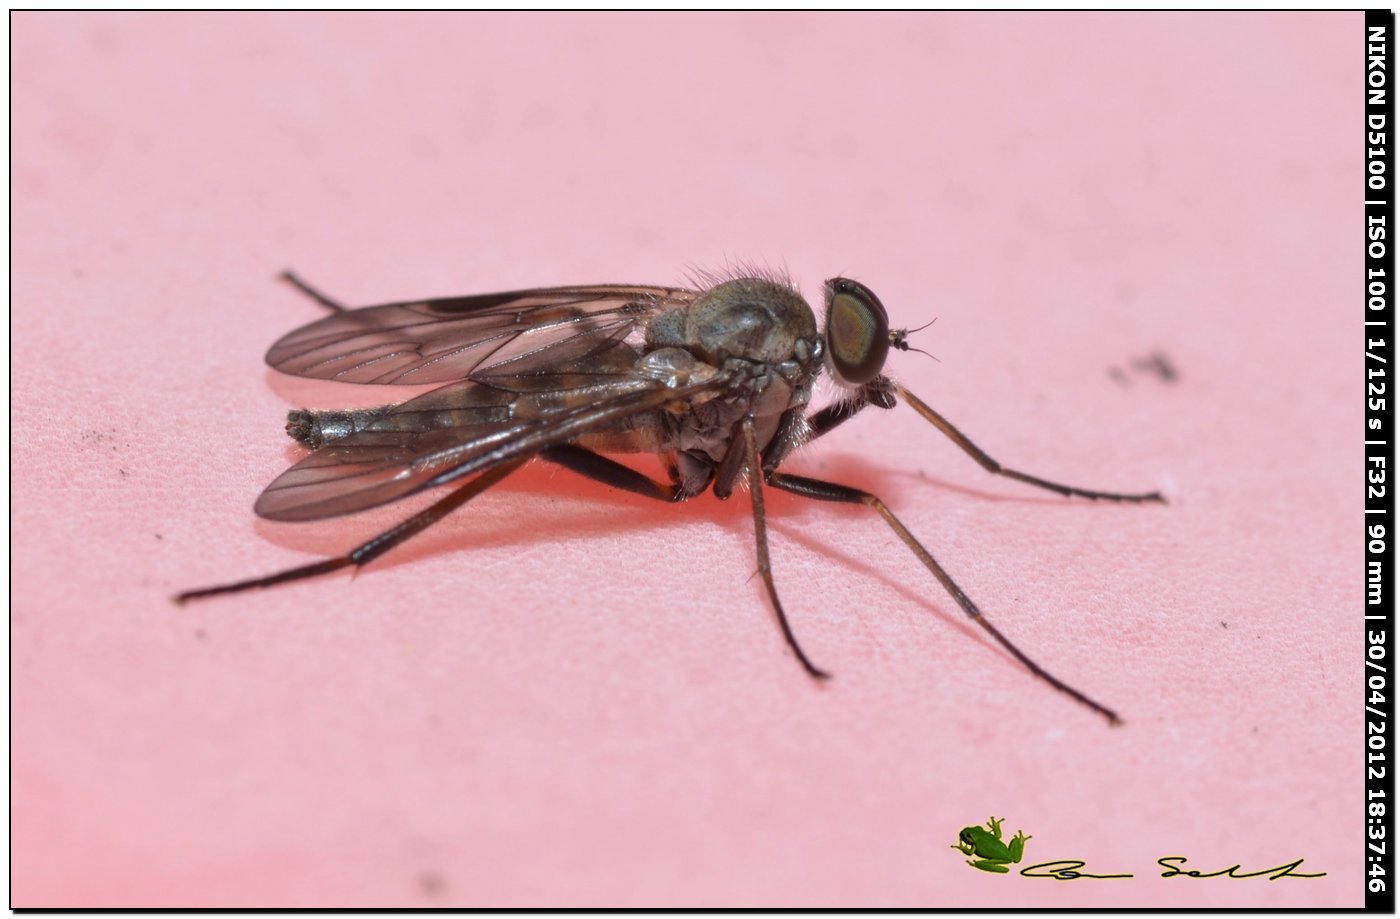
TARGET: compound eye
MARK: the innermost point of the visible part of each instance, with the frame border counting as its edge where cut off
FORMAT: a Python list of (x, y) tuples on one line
[(857, 331)]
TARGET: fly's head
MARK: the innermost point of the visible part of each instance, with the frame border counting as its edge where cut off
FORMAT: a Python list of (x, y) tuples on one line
[(857, 333)]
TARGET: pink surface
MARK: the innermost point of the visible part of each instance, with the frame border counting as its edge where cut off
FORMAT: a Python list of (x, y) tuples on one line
[(567, 696)]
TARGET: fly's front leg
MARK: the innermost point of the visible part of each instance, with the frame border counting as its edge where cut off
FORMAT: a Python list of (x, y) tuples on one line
[(367, 552), (794, 430), (996, 468), (830, 491)]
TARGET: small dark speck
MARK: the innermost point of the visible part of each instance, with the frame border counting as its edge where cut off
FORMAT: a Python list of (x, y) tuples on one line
[(1157, 363), (1224, 625), (431, 884), (123, 472), (201, 634), (158, 536), (1254, 730)]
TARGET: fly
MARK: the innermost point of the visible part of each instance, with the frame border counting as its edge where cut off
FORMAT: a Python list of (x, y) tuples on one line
[(716, 381)]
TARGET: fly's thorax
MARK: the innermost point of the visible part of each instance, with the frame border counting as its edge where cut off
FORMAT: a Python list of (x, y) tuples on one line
[(761, 337), (705, 428), (750, 319), (675, 367)]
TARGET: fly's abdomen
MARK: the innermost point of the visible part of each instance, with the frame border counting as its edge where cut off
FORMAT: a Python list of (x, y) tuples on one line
[(642, 433), (312, 427)]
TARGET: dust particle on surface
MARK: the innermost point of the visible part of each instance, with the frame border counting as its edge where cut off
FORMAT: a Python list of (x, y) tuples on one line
[(1156, 364), (431, 884)]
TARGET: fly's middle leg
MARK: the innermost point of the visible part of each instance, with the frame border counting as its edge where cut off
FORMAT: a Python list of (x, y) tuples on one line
[(765, 569), (601, 469), (830, 491)]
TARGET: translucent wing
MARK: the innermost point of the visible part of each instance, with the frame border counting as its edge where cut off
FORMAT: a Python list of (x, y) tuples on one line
[(466, 427), (439, 341)]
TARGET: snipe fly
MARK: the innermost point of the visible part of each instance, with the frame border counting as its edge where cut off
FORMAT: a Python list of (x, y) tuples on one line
[(714, 379)]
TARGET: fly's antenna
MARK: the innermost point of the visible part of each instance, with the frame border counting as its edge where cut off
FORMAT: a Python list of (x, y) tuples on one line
[(899, 338)]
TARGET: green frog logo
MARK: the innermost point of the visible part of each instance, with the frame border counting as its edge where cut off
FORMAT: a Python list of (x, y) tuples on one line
[(987, 850)]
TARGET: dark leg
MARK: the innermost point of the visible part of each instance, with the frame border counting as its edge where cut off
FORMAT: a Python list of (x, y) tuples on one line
[(733, 465), (830, 491), (992, 466), (376, 546), (601, 469), (310, 291), (760, 527), (877, 392)]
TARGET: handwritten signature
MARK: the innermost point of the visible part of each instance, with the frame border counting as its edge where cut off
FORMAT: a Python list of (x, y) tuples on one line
[(1069, 869)]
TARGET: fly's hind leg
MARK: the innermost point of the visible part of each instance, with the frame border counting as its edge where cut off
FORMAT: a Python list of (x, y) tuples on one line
[(599, 468), (367, 552), (291, 278)]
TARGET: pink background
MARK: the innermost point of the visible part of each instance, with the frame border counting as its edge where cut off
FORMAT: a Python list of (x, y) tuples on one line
[(569, 696)]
